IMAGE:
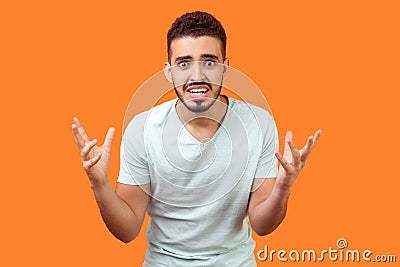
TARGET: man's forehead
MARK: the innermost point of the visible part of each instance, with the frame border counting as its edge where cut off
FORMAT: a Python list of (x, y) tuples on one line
[(196, 46)]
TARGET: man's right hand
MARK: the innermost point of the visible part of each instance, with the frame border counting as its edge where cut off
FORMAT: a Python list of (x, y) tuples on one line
[(122, 210), (95, 159)]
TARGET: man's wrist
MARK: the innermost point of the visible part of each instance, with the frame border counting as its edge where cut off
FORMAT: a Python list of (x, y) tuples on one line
[(98, 184), (283, 190)]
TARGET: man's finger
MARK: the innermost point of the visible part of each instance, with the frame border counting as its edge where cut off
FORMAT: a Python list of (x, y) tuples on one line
[(316, 137), (288, 136), (308, 146), (109, 138), (285, 164), (81, 131), (287, 150), (87, 148), (90, 163), (295, 153), (306, 150), (310, 143), (78, 138)]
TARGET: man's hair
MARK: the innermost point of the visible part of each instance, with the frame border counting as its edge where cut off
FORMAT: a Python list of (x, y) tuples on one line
[(196, 24)]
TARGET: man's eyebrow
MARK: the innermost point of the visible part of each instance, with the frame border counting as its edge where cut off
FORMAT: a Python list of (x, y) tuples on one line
[(209, 56), (212, 56), (183, 58)]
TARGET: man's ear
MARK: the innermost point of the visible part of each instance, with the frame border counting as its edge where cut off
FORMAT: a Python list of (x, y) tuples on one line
[(167, 71), (226, 67)]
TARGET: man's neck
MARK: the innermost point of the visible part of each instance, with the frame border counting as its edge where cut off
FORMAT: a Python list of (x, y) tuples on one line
[(211, 117)]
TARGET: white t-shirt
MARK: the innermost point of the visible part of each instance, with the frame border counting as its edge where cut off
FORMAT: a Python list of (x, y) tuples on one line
[(200, 191)]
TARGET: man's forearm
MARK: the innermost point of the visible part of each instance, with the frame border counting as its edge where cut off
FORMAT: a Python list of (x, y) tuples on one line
[(268, 214), (118, 217)]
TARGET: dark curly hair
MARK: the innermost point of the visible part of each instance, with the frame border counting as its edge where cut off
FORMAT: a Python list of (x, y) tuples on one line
[(196, 24)]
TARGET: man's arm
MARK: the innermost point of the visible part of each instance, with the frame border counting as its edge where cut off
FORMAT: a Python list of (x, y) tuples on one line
[(267, 207), (268, 202), (123, 210)]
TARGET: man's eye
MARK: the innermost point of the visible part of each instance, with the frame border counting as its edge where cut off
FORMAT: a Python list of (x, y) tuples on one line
[(183, 64), (209, 63)]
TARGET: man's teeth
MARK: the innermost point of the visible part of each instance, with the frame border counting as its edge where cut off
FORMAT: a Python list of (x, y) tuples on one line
[(198, 91)]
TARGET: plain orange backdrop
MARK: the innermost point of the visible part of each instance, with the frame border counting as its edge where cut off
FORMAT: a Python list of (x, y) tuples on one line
[(332, 65)]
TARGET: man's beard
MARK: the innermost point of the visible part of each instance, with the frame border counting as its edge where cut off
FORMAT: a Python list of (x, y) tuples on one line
[(198, 105)]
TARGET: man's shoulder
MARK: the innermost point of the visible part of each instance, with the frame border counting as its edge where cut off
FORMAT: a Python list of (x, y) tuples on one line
[(161, 108), (152, 116), (245, 109)]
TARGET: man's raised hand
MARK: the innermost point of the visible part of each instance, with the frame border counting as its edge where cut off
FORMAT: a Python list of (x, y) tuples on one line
[(95, 159), (293, 160)]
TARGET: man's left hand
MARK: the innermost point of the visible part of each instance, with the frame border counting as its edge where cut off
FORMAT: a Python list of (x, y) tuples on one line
[(293, 160)]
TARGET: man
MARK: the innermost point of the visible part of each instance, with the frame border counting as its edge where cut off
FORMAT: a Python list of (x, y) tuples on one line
[(201, 165)]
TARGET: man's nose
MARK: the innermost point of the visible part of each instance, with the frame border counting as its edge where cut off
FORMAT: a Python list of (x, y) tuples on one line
[(197, 73)]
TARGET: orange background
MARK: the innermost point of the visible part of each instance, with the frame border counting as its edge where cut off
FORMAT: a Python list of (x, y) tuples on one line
[(332, 65)]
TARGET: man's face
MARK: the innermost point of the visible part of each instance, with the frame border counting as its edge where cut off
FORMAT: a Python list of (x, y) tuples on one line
[(196, 70)]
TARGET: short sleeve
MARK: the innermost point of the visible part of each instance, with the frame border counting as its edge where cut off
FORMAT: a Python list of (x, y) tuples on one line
[(267, 166), (134, 169)]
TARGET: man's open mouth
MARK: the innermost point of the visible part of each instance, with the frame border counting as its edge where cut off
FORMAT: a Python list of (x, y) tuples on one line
[(198, 91)]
